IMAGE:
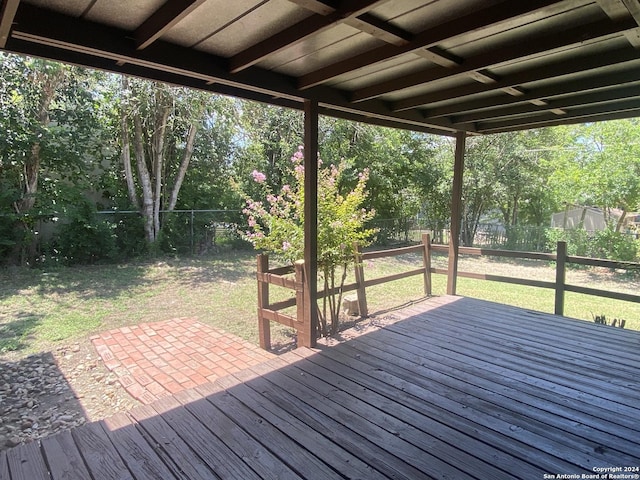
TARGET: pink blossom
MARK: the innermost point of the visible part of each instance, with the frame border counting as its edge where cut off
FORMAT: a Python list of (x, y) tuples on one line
[(299, 169), (286, 189), (258, 177), (286, 246)]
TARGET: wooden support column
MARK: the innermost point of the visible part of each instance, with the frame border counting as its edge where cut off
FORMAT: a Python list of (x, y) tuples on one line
[(456, 213), (310, 220), (561, 262)]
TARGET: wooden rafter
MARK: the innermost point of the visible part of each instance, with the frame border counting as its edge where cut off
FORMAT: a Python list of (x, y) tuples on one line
[(603, 80), (589, 98), (515, 80), (380, 29), (532, 46), (70, 34), (8, 10), (366, 22), (426, 39), (168, 15), (296, 33), (591, 113)]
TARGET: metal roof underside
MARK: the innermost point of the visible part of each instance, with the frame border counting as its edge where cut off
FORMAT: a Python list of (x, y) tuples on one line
[(440, 66)]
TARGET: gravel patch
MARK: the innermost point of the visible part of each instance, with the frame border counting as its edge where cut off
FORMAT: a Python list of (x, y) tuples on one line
[(49, 392)]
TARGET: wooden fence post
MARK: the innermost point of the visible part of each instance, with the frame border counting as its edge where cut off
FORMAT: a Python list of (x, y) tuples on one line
[(561, 260), (305, 331), (264, 326), (426, 263), (361, 291)]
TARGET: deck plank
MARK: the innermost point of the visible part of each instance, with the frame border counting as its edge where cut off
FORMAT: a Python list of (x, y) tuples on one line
[(172, 448), (4, 466), (550, 380), (100, 455), (222, 423), (63, 458), (331, 453), (515, 415), (475, 379), (392, 437), (136, 453), (218, 456), (406, 404), (445, 443), (559, 335), (273, 386), (26, 462), (280, 444)]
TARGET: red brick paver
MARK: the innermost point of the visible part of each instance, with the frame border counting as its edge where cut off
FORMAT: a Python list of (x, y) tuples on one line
[(161, 358)]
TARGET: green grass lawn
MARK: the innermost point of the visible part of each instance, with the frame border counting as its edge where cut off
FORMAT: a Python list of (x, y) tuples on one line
[(41, 310)]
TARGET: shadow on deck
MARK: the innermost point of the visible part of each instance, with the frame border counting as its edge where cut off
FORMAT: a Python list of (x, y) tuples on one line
[(458, 388)]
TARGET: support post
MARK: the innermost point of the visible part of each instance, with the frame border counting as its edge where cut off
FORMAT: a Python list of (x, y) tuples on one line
[(456, 213), (311, 217), (561, 262), (304, 330), (264, 326), (361, 291), (426, 263)]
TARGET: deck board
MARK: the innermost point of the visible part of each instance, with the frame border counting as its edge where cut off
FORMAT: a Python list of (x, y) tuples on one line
[(457, 388)]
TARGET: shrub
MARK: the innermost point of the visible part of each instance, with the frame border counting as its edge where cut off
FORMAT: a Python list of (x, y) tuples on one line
[(613, 245), (276, 226), (577, 240)]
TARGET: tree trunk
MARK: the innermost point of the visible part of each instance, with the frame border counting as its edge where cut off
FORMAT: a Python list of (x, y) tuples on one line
[(31, 168), (158, 138), (126, 161), (145, 181), (620, 221), (184, 164)]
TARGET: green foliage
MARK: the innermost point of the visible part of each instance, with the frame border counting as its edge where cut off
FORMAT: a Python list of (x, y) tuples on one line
[(85, 239), (614, 246), (577, 240), (607, 244), (276, 224)]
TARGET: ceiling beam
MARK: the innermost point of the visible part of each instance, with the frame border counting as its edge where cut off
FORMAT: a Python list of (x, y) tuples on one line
[(168, 15), (631, 113), (294, 34), (589, 113), (8, 10), (536, 96), (380, 29), (532, 46), (76, 36), (366, 22), (428, 38), (552, 70), (584, 99)]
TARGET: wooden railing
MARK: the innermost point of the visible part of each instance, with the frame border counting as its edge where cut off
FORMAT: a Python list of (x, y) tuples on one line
[(559, 286), (271, 312), (306, 333), (282, 277)]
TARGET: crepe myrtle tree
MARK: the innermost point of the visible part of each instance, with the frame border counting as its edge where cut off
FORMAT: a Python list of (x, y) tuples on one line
[(276, 226)]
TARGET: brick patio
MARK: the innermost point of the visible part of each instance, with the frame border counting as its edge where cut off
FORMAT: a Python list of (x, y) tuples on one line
[(156, 359)]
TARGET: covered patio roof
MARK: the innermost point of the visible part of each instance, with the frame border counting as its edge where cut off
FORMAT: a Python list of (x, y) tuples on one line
[(445, 66)]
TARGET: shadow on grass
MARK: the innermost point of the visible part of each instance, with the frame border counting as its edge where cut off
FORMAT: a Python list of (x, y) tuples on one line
[(94, 281), (15, 334), (108, 281), (233, 266)]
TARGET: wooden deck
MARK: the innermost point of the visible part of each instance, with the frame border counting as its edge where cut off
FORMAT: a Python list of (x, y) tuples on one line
[(458, 389)]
